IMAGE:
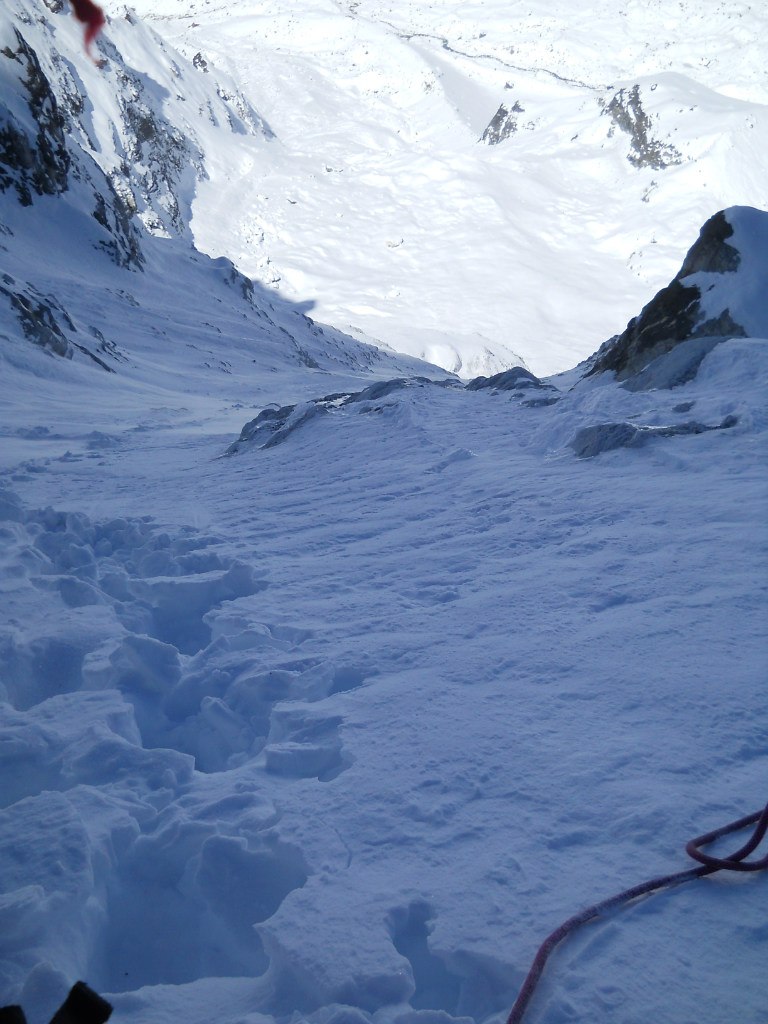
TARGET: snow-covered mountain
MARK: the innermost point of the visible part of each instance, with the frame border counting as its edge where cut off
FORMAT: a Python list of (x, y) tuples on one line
[(98, 175), (478, 182), (361, 157), (329, 683)]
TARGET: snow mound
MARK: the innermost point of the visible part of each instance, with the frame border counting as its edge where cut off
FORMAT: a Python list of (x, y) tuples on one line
[(273, 426)]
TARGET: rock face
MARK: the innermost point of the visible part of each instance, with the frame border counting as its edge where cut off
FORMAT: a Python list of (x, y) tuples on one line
[(135, 166), (502, 124), (33, 150), (717, 293), (626, 111)]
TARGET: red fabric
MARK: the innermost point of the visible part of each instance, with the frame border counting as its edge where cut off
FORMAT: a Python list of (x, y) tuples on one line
[(91, 16)]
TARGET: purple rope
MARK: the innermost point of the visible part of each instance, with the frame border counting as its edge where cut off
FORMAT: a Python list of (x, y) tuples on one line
[(735, 862)]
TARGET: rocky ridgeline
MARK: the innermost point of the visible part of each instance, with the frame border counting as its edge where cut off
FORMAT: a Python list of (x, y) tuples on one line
[(717, 293), (121, 151), (141, 163)]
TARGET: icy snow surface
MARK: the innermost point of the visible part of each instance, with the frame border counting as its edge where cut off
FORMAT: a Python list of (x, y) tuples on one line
[(337, 730)]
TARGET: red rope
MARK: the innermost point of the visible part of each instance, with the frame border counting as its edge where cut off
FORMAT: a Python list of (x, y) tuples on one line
[(735, 862)]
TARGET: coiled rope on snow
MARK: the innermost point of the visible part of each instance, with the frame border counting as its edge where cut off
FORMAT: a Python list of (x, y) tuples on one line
[(708, 865)]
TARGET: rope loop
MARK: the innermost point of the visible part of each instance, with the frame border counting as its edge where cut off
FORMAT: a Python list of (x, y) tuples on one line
[(735, 862)]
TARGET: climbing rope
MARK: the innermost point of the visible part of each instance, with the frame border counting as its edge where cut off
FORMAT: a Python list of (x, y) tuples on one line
[(735, 862)]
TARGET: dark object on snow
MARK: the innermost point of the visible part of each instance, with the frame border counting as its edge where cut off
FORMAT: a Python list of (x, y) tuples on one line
[(736, 862), (12, 1015), (93, 18), (82, 1006)]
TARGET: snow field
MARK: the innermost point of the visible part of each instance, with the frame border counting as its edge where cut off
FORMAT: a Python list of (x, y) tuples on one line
[(334, 723), (377, 190), (422, 686)]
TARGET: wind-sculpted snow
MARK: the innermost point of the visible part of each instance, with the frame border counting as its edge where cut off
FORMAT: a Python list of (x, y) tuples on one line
[(137, 673), (669, 370), (274, 425), (349, 759)]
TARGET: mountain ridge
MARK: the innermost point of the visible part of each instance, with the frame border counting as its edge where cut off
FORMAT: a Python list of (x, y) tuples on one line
[(380, 190)]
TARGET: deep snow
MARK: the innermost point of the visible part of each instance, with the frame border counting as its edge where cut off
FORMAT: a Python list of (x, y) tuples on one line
[(374, 710), (339, 729)]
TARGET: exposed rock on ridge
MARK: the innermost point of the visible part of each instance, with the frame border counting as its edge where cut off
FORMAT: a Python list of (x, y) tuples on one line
[(715, 294), (33, 150), (626, 111), (502, 124)]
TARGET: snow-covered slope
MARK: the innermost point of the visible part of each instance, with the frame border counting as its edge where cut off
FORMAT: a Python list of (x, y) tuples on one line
[(464, 181), (340, 729), (99, 169), (332, 722)]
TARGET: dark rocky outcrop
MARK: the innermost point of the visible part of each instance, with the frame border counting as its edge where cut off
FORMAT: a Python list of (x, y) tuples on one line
[(502, 124), (39, 317), (46, 323), (32, 161), (711, 253), (114, 214), (677, 313), (605, 437), (625, 110)]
